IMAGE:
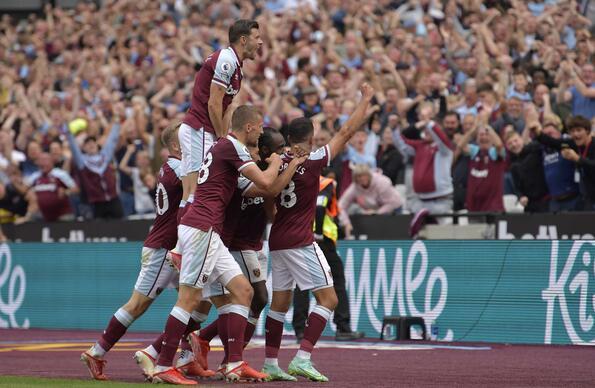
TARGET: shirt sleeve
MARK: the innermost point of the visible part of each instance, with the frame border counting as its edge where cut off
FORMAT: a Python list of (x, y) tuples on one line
[(473, 150), (244, 184), (64, 177), (239, 156), (224, 69), (321, 157)]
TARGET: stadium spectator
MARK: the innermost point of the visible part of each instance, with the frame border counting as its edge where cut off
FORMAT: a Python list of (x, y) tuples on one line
[(433, 155), (52, 187), (512, 116), (389, 159), (369, 193), (578, 149), (485, 180), (97, 174), (559, 172), (15, 199), (143, 181), (582, 93), (526, 166), (137, 59)]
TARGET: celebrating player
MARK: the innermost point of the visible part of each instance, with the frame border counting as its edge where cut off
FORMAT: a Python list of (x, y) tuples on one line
[(295, 256), (206, 259), (215, 86), (245, 223), (155, 274)]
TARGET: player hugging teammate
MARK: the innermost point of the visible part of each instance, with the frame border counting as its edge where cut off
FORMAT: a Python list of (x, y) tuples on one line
[(232, 200)]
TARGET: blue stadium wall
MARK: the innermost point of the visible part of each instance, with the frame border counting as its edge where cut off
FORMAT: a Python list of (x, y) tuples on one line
[(498, 291)]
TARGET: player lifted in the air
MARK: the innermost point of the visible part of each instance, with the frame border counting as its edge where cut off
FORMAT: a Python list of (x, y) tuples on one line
[(215, 86)]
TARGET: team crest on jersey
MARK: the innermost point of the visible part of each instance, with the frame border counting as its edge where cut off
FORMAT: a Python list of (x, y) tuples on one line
[(256, 272), (226, 66), (205, 278), (158, 291)]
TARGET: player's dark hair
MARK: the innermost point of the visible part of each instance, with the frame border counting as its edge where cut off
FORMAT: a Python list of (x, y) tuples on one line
[(299, 130), (243, 115), (266, 138), (241, 28), (170, 134)]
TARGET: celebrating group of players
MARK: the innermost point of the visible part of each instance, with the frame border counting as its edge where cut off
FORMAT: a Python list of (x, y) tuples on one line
[(215, 196)]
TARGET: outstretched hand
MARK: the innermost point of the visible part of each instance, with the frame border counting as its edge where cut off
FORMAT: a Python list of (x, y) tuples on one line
[(367, 91)]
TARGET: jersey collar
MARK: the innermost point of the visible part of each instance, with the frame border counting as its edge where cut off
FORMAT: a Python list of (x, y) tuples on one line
[(237, 57)]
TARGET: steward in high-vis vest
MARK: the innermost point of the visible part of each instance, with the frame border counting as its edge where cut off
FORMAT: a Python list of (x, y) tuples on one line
[(326, 211), (326, 234)]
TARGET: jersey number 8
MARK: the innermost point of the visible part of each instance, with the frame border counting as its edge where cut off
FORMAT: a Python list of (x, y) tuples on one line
[(203, 173), (288, 196)]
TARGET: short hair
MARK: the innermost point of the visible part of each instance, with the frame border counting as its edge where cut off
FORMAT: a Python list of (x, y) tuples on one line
[(360, 169), (510, 134), (299, 130), (243, 115), (240, 28), (266, 138), (170, 134), (452, 113), (485, 87), (578, 122)]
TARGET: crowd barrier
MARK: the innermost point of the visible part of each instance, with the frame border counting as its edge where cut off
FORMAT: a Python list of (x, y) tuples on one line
[(501, 291), (567, 226)]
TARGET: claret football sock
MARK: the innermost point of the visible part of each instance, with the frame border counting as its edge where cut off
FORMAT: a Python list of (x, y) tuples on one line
[(115, 329), (236, 326), (314, 328), (250, 329), (274, 333), (174, 330)]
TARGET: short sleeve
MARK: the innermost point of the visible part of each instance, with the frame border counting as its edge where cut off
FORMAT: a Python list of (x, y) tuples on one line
[(224, 69), (473, 150), (64, 177), (321, 157), (244, 184), (238, 155)]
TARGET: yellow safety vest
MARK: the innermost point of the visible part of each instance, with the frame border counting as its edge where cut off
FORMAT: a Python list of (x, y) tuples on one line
[(329, 226)]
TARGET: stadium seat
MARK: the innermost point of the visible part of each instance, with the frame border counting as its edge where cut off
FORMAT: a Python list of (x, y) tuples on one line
[(403, 326)]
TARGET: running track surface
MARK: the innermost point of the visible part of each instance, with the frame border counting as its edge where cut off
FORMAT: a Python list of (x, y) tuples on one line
[(48, 353)]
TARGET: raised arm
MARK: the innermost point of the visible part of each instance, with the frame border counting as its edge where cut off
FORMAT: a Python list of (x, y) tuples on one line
[(111, 142), (77, 155), (355, 121), (123, 166), (583, 89)]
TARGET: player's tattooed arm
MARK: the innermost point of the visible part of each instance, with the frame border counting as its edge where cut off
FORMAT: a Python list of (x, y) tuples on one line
[(264, 179), (216, 113), (280, 182), (355, 121)]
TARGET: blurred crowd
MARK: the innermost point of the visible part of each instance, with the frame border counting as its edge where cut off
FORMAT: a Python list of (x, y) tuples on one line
[(480, 105)]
